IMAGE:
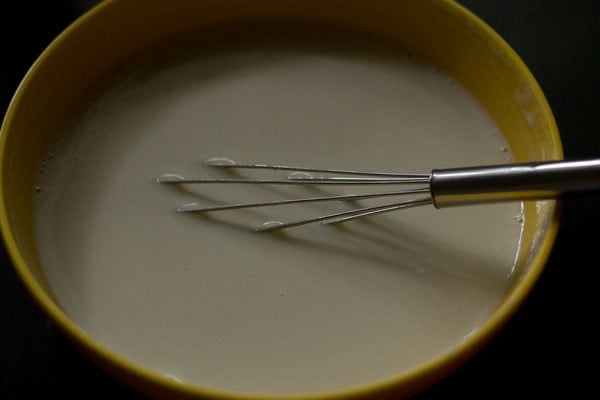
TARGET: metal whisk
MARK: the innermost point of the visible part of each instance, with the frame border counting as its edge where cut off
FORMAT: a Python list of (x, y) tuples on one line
[(440, 188)]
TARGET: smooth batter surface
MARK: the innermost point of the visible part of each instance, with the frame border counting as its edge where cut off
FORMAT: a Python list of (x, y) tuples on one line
[(319, 308)]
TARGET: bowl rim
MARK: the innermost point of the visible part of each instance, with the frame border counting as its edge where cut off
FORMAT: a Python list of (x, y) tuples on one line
[(430, 371)]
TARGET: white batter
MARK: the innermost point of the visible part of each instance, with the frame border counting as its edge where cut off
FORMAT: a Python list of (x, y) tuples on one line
[(319, 308)]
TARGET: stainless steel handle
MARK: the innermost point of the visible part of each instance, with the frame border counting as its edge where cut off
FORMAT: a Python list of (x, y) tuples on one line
[(539, 180)]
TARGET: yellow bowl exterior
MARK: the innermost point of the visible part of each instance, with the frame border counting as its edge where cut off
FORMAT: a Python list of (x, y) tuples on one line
[(116, 31)]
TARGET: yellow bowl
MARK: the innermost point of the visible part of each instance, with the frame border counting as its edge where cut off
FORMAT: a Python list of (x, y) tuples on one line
[(116, 31)]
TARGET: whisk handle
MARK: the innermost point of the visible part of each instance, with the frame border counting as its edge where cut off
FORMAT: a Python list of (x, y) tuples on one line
[(496, 183)]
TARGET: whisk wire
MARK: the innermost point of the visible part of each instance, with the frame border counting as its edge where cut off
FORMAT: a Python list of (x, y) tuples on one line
[(197, 207), (303, 177), (226, 163), (346, 215)]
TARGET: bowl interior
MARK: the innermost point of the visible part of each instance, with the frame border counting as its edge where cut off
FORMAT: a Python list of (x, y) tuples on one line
[(115, 32)]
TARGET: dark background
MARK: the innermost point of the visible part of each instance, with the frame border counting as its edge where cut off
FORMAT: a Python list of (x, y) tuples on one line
[(549, 348)]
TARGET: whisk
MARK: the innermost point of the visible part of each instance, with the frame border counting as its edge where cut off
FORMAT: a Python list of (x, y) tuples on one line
[(440, 188)]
